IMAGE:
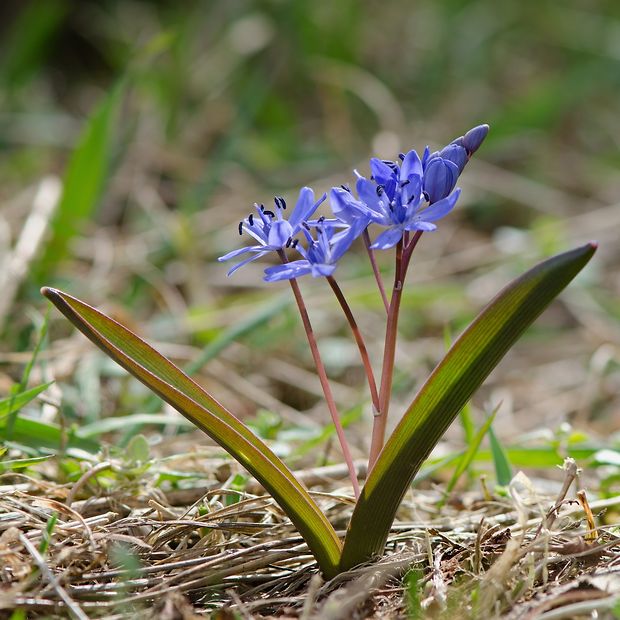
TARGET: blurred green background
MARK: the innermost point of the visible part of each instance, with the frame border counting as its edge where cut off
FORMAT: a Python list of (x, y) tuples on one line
[(165, 121)]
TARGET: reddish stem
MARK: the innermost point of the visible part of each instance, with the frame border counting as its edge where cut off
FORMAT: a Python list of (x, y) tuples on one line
[(375, 269), (359, 339), (320, 368), (403, 257)]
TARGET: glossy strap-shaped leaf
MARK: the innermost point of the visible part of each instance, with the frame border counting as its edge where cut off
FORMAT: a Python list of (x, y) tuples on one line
[(466, 365), (187, 397)]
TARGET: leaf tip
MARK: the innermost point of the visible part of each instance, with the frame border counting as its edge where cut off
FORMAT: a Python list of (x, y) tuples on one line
[(49, 292)]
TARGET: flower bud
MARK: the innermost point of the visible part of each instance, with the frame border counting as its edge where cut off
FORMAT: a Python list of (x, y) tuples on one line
[(474, 138), (456, 154), (439, 178)]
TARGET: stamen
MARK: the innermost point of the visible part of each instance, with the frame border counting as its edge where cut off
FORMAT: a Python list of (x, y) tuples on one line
[(262, 207), (279, 202), (251, 219), (294, 243), (241, 227), (401, 156), (306, 225), (288, 242), (346, 188), (269, 213), (426, 197), (380, 190), (321, 219)]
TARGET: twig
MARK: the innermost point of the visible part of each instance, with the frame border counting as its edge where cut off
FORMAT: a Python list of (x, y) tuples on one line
[(84, 478), (73, 607), (571, 472)]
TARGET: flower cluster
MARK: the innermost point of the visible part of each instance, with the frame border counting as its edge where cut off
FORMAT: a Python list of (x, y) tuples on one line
[(401, 196)]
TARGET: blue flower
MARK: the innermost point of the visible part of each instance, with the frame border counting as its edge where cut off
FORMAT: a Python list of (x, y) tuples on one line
[(322, 254), (396, 199), (271, 230), (347, 209)]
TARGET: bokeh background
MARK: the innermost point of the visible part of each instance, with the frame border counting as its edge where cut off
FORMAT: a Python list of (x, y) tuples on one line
[(165, 121)]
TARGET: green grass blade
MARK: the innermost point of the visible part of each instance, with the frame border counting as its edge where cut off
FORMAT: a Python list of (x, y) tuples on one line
[(177, 389), (237, 331), (17, 401), (36, 437), (14, 464), (29, 38), (467, 458), (20, 388), (503, 470), (84, 179), (466, 365)]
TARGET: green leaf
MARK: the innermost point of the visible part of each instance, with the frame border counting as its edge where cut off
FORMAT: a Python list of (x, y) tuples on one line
[(84, 179), (466, 365), (21, 463), (44, 436), (177, 389), (17, 401), (503, 470)]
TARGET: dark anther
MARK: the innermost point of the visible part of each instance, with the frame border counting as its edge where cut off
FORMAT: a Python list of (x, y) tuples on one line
[(251, 219), (294, 243), (241, 227), (401, 156), (288, 242), (346, 188), (380, 190), (306, 225), (426, 197), (279, 202), (262, 207), (405, 182), (391, 164), (269, 213), (321, 219)]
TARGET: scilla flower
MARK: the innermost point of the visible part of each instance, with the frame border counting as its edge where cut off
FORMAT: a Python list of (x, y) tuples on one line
[(271, 230), (322, 254), (395, 199)]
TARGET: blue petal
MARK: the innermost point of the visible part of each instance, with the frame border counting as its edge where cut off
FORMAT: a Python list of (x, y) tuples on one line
[(305, 207), (280, 232), (344, 205), (441, 208), (388, 239), (294, 269), (343, 240), (422, 225), (367, 191), (240, 251), (411, 165), (411, 194), (322, 270), (381, 172), (246, 261)]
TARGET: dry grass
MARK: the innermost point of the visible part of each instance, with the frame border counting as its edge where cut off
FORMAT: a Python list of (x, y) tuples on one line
[(146, 553)]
